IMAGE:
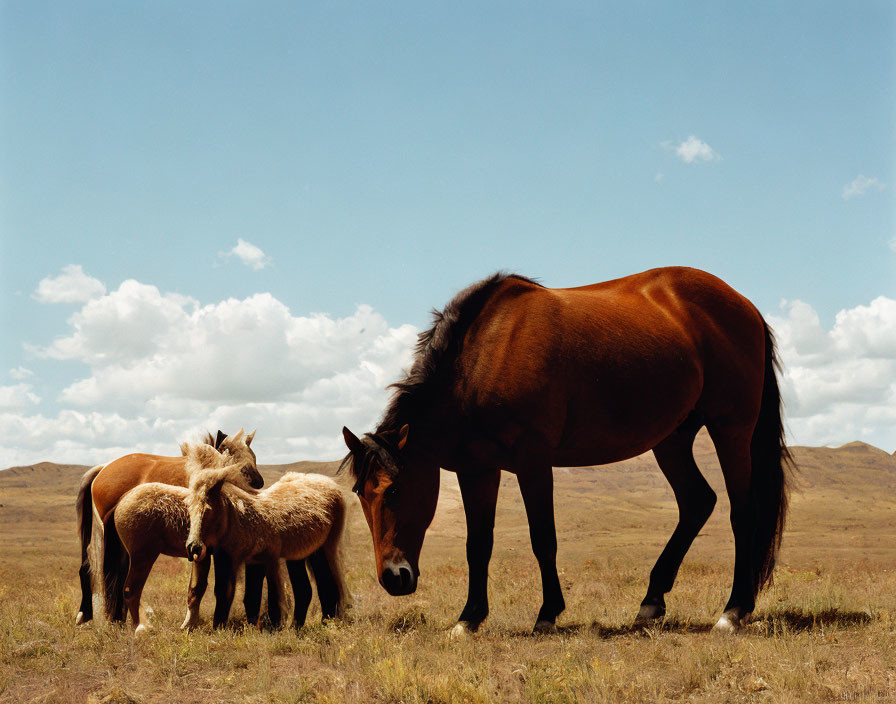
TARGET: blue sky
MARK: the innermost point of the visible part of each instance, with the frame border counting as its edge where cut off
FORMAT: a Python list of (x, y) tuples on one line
[(385, 157)]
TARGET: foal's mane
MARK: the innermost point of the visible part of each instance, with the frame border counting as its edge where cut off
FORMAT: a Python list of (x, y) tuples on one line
[(434, 356)]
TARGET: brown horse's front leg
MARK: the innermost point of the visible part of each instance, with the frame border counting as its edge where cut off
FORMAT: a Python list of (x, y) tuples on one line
[(480, 496), (537, 488)]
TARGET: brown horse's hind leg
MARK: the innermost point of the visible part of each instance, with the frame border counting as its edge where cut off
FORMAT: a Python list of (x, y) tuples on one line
[(733, 449), (479, 492), (537, 488), (141, 564), (695, 499)]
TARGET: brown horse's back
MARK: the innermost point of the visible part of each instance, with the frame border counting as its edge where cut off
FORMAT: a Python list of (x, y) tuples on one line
[(123, 474), (581, 365)]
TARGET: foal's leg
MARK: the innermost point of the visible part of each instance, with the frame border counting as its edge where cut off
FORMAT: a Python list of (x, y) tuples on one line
[(225, 586), (733, 449), (275, 591), (479, 492), (537, 488), (141, 564), (301, 591), (252, 594), (695, 499), (198, 585), (327, 586)]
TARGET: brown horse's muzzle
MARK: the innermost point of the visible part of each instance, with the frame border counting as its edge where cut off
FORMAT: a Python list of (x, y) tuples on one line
[(399, 578)]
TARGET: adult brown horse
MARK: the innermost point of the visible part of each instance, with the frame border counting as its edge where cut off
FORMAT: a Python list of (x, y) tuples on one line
[(103, 486), (523, 378)]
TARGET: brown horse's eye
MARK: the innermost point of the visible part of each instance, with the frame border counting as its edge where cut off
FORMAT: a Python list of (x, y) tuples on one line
[(390, 493)]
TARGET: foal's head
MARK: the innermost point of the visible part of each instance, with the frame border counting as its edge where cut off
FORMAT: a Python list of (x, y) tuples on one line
[(236, 450), (208, 519)]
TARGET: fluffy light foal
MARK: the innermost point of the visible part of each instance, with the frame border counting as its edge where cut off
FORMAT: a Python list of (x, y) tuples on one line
[(301, 516), (151, 520)]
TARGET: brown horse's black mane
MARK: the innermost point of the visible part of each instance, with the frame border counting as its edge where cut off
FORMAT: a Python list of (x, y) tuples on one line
[(437, 348)]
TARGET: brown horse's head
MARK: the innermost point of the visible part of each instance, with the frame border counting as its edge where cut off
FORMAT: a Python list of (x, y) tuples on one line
[(398, 489), (208, 515), (237, 451)]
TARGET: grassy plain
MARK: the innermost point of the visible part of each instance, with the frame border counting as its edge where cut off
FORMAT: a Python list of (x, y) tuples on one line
[(826, 631)]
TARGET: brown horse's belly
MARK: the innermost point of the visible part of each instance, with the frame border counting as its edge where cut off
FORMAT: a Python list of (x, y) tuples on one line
[(121, 475)]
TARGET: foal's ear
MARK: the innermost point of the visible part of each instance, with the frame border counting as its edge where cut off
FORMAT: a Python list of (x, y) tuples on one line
[(250, 437), (352, 442), (219, 439), (403, 437)]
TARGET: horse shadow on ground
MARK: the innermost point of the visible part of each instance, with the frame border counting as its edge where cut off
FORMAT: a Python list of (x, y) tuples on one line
[(765, 624)]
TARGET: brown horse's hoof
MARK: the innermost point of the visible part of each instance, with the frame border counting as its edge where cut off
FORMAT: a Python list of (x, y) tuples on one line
[(545, 627), (462, 630), (79, 619), (730, 623), (649, 616)]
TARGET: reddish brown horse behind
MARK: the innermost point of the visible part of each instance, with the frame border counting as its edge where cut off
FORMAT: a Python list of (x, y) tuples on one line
[(519, 377), (102, 488)]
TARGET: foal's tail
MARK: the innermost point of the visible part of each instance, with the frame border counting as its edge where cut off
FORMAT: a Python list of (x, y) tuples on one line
[(116, 563), (771, 461), (89, 564)]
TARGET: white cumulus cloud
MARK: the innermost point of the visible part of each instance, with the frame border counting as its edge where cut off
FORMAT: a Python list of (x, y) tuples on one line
[(162, 367), (70, 286), (249, 254), (693, 149), (860, 185), (839, 384)]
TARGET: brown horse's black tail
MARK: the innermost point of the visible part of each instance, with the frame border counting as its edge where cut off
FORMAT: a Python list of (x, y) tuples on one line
[(84, 509), (115, 569), (771, 462)]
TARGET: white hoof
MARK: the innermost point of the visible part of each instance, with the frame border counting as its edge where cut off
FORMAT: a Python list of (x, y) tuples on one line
[(727, 624), (545, 627), (141, 630), (461, 631), (79, 619)]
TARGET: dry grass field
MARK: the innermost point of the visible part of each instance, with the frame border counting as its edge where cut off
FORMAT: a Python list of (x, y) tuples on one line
[(826, 631)]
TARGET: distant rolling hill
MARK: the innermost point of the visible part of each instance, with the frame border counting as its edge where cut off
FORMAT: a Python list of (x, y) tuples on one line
[(843, 506)]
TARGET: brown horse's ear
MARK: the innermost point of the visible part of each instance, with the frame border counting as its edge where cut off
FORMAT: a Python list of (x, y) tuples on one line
[(351, 442), (249, 437), (219, 439), (402, 437)]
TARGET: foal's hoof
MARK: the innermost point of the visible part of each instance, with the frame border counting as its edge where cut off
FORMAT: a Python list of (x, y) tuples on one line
[(545, 627), (141, 630), (462, 630), (190, 623)]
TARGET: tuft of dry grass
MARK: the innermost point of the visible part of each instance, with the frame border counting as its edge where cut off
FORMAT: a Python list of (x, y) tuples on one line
[(825, 631)]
